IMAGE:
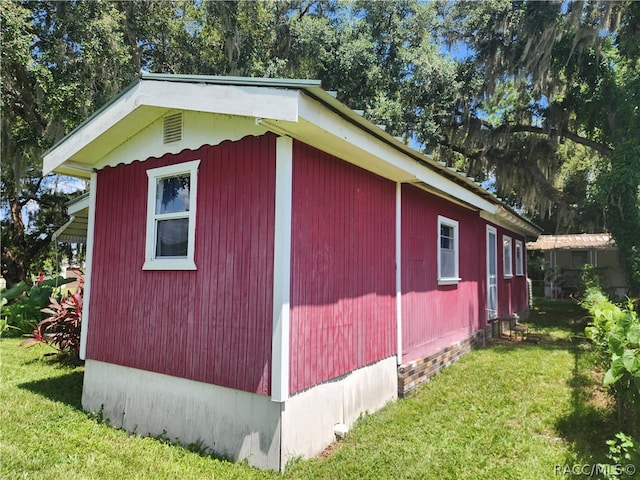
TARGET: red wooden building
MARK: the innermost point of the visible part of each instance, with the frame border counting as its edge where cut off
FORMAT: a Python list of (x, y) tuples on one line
[(265, 264)]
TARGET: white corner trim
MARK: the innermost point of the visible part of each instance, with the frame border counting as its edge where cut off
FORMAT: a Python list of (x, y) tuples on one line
[(399, 271), (88, 266), (282, 270)]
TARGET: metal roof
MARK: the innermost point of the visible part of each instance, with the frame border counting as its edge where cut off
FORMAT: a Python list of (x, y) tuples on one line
[(313, 90), (579, 241), (75, 230)]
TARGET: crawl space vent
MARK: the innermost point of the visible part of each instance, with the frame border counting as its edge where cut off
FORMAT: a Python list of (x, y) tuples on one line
[(172, 128)]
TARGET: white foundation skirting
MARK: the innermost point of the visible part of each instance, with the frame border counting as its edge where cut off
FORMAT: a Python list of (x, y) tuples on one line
[(236, 424)]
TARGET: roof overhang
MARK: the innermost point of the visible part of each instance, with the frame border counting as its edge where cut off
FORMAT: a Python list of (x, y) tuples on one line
[(75, 230), (300, 109), (578, 241)]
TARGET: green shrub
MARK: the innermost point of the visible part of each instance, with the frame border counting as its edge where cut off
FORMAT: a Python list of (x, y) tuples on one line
[(61, 329), (624, 453), (615, 333), (23, 303)]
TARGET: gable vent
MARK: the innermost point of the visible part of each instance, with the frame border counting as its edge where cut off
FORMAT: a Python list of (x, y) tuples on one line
[(172, 128)]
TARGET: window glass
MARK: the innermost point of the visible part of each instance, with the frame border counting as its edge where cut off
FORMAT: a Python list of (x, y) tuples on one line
[(447, 251), (579, 258), (172, 237), (172, 194), (507, 257), (519, 258)]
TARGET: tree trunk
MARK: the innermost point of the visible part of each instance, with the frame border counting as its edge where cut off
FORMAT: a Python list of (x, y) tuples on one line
[(14, 265)]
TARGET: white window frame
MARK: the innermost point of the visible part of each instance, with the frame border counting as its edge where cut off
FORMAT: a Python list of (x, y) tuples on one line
[(456, 245), (519, 258), (507, 251), (171, 263)]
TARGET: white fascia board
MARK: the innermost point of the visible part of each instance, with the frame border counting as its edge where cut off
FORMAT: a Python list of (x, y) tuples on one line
[(505, 219), (84, 135), (258, 102), (79, 205), (342, 130)]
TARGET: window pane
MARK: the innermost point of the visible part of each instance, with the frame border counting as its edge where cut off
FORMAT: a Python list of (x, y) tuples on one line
[(506, 256), (447, 263), (446, 236), (172, 237), (492, 252), (519, 259), (172, 194)]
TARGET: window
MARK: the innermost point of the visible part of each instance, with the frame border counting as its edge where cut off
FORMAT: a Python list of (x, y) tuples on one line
[(447, 251), (507, 262), (171, 217), (519, 258), (579, 258)]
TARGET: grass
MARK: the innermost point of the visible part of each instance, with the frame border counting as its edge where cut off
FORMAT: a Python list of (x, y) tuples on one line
[(513, 410)]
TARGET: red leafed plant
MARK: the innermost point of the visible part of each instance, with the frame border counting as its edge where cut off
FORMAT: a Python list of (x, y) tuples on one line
[(62, 328)]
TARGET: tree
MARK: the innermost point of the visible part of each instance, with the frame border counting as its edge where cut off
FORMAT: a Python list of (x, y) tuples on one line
[(574, 70), (59, 61), (541, 96)]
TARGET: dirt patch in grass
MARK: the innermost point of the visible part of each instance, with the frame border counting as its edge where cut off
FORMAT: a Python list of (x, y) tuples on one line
[(331, 449)]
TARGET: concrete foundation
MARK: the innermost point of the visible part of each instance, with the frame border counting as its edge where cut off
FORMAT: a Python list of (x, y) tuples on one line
[(236, 424)]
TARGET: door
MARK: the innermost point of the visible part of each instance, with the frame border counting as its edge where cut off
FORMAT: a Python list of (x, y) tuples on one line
[(492, 272)]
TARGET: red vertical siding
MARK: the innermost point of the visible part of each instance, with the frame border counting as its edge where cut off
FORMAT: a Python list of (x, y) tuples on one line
[(512, 292), (213, 324), (342, 268), (434, 316)]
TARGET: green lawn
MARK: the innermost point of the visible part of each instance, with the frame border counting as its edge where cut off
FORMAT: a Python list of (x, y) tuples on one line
[(509, 411)]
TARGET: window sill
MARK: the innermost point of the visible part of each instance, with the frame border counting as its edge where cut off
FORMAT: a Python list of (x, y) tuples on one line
[(508, 277), (170, 264), (448, 281)]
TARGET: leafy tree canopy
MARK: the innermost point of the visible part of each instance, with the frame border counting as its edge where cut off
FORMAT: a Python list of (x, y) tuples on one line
[(540, 96)]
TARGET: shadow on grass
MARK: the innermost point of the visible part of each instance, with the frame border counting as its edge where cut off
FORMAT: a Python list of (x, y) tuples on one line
[(64, 388), (591, 421), (67, 389)]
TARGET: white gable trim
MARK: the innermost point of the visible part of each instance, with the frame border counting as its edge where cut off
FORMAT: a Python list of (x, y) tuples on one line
[(265, 102), (255, 102), (87, 132)]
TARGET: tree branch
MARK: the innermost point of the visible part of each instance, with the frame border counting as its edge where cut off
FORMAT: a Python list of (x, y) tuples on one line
[(601, 148), (546, 188)]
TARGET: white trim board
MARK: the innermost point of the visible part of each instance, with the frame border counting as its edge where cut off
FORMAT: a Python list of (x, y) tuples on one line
[(282, 270), (86, 300)]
